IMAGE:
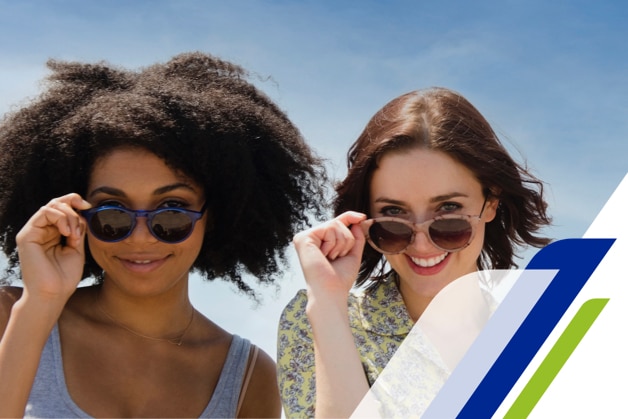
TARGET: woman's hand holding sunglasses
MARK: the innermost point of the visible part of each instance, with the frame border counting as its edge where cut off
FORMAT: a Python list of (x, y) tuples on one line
[(51, 248), (330, 254)]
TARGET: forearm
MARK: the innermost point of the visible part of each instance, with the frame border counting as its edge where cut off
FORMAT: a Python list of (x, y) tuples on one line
[(340, 380), (21, 346)]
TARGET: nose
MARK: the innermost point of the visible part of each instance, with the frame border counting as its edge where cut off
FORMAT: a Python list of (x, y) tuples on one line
[(421, 243), (141, 233)]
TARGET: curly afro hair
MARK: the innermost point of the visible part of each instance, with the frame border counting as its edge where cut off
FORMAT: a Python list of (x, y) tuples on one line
[(204, 119)]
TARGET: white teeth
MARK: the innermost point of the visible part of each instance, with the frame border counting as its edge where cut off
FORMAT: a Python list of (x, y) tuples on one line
[(427, 263), (141, 262)]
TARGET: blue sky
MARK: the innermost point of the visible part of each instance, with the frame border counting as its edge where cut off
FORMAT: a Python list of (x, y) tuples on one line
[(549, 76)]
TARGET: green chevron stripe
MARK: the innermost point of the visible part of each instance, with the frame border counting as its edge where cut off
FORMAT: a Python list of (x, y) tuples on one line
[(556, 358)]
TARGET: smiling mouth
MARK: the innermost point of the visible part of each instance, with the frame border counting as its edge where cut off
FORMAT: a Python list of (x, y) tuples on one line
[(428, 263), (143, 265), (143, 262)]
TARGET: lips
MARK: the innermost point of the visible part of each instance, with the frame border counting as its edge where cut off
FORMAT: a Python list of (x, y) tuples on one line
[(429, 262), (142, 264)]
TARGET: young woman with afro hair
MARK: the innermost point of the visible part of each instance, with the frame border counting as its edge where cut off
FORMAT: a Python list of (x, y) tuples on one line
[(132, 180)]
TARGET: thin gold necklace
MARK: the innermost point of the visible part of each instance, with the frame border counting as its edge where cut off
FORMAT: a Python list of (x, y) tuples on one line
[(175, 341)]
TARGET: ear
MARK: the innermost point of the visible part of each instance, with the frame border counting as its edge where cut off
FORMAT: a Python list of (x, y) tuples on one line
[(490, 209)]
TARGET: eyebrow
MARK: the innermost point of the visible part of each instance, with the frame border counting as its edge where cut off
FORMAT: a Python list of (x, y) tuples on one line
[(438, 198), (445, 197), (159, 191)]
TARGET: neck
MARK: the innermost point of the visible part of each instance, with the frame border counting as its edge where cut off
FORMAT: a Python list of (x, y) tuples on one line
[(455, 317), (418, 293), (416, 304), (162, 316), (174, 338)]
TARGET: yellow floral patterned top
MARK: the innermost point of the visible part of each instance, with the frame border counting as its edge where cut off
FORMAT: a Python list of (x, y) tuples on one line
[(379, 321)]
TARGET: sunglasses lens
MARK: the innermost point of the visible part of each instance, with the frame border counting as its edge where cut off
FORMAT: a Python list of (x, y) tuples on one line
[(390, 236), (172, 226), (451, 234), (110, 224)]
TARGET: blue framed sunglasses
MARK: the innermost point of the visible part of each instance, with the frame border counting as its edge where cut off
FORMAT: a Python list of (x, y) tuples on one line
[(113, 224)]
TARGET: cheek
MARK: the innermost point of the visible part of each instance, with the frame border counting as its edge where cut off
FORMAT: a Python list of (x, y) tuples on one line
[(97, 249), (396, 262), (195, 241), (475, 248), (92, 243)]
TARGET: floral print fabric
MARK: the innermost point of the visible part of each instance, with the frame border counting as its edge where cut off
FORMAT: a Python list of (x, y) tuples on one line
[(379, 323)]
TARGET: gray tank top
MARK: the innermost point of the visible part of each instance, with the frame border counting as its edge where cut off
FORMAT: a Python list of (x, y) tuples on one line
[(49, 396)]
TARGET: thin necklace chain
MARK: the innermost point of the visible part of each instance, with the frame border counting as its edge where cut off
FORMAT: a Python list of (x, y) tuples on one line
[(175, 341)]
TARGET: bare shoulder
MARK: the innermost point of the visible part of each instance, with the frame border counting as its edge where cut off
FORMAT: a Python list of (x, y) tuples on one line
[(261, 399), (8, 296)]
